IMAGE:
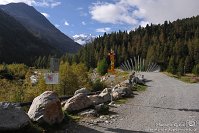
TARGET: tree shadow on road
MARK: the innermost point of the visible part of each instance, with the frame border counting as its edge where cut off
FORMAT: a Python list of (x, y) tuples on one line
[(146, 80), (118, 130), (77, 128), (183, 109)]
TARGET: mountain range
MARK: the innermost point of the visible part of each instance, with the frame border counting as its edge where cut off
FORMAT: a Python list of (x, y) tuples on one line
[(83, 38), (24, 32)]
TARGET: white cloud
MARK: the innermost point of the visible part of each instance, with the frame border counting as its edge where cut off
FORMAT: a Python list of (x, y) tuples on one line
[(42, 3), (83, 23), (54, 4), (144, 23), (45, 14), (66, 23), (117, 13), (29, 2), (57, 25), (106, 29), (157, 11), (80, 35), (141, 12)]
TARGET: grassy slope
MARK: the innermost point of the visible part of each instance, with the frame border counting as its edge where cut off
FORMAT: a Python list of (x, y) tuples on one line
[(188, 78)]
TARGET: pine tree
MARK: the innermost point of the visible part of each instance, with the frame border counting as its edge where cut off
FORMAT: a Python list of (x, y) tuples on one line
[(171, 66), (181, 67), (102, 67)]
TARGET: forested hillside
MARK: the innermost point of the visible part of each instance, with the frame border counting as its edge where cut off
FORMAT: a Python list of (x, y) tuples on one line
[(40, 26), (174, 46), (17, 45)]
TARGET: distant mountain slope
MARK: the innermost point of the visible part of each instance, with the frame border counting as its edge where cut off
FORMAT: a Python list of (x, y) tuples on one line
[(36, 23), (17, 44)]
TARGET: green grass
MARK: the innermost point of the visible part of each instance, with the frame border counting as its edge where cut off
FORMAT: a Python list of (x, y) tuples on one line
[(121, 101), (118, 73), (74, 117), (188, 78), (140, 88)]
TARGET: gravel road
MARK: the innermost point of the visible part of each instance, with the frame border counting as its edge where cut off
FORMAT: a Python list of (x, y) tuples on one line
[(167, 106)]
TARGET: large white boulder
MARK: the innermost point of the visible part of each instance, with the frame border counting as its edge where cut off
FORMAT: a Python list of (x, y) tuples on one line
[(77, 102), (12, 117), (46, 108)]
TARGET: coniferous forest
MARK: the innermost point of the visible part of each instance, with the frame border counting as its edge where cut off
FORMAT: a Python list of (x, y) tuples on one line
[(174, 46)]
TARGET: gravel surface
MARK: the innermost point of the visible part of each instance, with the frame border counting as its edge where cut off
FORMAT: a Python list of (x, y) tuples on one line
[(167, 106)]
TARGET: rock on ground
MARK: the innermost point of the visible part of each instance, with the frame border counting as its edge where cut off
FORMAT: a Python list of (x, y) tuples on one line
[(46, 108), (89, 113), (82, 90), (102, 108), (12, 117), (96, 99), (106, 95), (119, 92), (77, 102)]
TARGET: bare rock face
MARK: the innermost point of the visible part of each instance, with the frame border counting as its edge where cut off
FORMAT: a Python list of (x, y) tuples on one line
[(106, 95), (77, 102), (82, 90), (46, 108), (12, 117)]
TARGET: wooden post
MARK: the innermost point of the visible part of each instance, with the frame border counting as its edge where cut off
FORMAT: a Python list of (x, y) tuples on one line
[(112, 58)]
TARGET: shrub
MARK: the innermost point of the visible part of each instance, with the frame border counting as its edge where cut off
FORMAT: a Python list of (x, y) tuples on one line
[(98, 86), (5, 73), (102, 67), (196, 70), (19, 70)]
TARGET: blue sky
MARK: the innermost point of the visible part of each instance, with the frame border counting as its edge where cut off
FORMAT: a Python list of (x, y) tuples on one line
[(76, 17), (73, 17)]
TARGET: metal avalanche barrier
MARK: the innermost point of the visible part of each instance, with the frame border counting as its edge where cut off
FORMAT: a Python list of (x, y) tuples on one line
[(139, 65)]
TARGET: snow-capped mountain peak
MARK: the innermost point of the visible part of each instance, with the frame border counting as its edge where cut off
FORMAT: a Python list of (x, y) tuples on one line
[(83, 38)]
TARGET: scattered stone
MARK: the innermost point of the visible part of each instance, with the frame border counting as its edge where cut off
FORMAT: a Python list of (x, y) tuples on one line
[(125, 83), (89, 113), (77, 102), (82, 90), (112, 116), (103, 117), (107, 122), (12, 117), (46, 108), (102, 109)]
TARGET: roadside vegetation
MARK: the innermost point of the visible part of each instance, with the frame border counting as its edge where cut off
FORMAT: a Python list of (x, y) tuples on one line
[(140, 88), (16, 86), (188, 78)]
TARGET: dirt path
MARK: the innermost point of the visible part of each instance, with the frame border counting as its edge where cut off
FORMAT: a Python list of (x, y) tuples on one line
[(168, 106)]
